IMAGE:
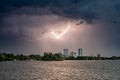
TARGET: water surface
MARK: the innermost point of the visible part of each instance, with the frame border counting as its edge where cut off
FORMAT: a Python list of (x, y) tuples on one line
[(60, 70)]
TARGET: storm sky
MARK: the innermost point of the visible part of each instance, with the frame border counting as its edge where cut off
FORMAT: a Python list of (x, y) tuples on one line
[(26, 25)]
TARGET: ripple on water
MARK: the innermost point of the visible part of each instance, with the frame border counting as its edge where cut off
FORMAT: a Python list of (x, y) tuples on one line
[(60, 70)]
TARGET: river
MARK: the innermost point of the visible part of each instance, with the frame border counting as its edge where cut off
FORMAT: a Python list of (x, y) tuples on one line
[(60, 70)]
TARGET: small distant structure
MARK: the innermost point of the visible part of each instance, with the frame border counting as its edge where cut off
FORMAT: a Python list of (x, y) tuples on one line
[(80, 52), (66, 53), (47, 53), (73, 54)]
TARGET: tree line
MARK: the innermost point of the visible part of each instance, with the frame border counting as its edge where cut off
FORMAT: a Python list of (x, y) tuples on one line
[(21, 57), (50, 57)]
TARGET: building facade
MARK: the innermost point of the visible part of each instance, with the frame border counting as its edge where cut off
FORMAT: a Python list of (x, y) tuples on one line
[(66, 52), (80, 52)]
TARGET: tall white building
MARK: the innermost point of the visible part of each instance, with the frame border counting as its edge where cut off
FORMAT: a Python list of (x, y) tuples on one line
[(66, 53), (80, 52)]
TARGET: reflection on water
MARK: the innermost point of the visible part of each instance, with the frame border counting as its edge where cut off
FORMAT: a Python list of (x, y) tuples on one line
[(60, 70)]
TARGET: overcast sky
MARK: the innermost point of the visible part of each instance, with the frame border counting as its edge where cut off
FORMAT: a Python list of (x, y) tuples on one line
[(26, 26)]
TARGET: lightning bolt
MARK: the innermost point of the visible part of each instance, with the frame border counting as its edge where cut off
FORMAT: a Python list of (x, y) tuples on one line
[(60, 35)]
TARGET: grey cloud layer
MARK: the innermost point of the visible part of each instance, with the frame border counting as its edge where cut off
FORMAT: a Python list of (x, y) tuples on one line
[(18, 18), (70, 8)]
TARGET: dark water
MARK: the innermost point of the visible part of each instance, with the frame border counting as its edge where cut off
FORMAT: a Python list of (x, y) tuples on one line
[(60, 70)]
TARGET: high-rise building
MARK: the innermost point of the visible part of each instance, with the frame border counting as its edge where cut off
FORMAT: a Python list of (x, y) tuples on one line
[(66, 52), (80, 52)]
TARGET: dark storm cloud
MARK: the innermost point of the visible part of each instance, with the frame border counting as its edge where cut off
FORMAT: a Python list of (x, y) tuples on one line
[(104, 10), (77, 9), (13, 27), (67, 8)]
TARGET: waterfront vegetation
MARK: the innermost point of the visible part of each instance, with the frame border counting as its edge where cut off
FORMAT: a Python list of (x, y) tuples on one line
[(50, 57), (21, 57)]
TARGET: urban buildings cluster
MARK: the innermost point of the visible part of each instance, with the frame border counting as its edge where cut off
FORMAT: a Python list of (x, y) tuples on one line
[(67, 54), (73, 54)]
